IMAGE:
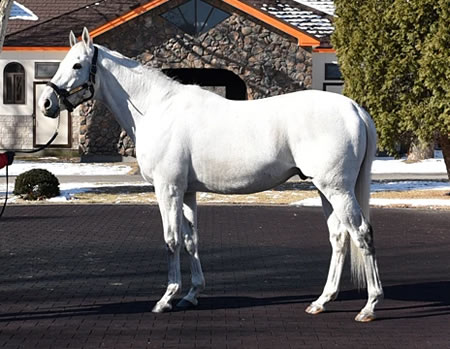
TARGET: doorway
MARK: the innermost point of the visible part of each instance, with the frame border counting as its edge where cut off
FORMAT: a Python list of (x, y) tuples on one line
[(220, 81)]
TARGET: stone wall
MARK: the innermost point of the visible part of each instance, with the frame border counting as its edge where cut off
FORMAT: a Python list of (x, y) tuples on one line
[(269, 62)]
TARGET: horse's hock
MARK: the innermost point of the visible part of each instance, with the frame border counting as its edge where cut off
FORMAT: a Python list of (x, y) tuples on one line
[(268, 63)]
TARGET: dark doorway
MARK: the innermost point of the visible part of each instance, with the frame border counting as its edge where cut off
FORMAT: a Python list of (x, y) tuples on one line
[(234, 86)]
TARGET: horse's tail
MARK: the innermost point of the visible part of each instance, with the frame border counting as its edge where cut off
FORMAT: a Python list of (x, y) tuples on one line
[(362, 191)]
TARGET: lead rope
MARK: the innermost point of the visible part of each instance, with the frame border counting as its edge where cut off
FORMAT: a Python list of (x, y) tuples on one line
[(42, 147)]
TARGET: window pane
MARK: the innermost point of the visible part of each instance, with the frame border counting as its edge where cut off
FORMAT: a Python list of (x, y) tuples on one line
[(203, 12), (45, 70), (215, 18), (8, 93), (195, 16), (188, 11), (332, 72), (19, 89)]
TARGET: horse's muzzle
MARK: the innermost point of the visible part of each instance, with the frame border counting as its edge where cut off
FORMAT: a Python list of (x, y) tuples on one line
[(49, 104)]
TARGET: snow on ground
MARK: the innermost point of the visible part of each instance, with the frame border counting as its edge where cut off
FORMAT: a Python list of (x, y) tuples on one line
[(390, 165), (70, 169), (380, 166)]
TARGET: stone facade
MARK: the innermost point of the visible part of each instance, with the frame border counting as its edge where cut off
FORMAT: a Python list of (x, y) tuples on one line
[(269, 62)]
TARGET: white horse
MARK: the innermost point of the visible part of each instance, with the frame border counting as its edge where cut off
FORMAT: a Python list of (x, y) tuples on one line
[(188, 140)]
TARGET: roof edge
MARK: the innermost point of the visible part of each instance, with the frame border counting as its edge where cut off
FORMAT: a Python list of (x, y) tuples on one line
[(324, 50), (302, 38)]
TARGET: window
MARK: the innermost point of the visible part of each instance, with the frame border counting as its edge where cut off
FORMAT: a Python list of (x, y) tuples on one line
[(14, 84), (45, 70), (332, 72), (195, 16)]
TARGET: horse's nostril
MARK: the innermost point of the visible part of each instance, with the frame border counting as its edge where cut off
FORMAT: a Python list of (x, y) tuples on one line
[(47, 104)]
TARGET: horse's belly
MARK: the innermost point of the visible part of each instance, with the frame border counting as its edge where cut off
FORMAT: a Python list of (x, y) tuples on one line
[(222, 179)]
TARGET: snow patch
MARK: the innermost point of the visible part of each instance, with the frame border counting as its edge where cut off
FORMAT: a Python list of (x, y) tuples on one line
[(70, 169), (391, 165), (18, 11)]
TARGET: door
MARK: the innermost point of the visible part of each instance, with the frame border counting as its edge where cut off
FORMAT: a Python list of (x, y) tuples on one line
[(45, 127)]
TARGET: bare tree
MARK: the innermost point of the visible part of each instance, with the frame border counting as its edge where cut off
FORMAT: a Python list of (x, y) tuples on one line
[(5, 10)]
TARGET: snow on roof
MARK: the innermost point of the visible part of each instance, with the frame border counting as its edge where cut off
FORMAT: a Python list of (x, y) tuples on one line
[(18, 11), (325, 6), (307, 21)]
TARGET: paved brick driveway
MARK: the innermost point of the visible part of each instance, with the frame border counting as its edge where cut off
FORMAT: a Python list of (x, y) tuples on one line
[(87, 276)]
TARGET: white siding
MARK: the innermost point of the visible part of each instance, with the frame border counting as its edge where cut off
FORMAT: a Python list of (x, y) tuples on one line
[(16, 120), (318, 72)]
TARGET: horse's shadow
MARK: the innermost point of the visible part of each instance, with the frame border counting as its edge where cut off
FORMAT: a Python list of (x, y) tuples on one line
[(433, 299)]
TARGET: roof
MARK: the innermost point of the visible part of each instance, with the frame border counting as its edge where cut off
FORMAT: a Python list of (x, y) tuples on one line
[(55, 18), (58, 17), (305, 17), (325, 6)]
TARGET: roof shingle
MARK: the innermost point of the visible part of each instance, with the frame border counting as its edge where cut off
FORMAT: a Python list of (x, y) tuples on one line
[(57, 17)]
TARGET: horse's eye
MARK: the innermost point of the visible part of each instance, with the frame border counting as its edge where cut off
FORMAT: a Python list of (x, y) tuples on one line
[(77, 66)]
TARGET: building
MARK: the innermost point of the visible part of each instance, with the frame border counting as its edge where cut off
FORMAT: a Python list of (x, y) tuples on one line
[(239, 48)]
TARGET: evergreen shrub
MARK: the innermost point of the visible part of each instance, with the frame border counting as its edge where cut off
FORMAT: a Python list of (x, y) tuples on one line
[(36, 184)]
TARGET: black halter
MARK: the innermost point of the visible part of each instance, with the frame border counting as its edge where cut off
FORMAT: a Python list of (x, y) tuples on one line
[(89, 85)]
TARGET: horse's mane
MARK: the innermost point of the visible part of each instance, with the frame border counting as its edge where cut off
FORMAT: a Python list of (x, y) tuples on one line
[(136, 66)]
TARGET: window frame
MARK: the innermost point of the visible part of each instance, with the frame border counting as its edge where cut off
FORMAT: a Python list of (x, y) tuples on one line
[(44, 77), (10, 87)]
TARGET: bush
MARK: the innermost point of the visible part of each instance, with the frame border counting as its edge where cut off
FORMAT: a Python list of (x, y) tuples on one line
[(36, 184)]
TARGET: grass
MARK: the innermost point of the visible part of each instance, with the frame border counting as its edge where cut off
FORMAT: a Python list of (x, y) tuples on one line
[(284, 194)]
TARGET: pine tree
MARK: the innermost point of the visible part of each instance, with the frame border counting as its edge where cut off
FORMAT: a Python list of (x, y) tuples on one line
[(394, 57), (435, 74)]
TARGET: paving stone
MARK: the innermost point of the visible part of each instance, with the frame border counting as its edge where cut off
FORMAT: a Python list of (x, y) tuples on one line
[(87, 276)]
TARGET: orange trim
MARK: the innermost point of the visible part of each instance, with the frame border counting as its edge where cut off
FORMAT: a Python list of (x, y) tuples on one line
[(34, 48), (126, 17), (303, 39), (324, 50)]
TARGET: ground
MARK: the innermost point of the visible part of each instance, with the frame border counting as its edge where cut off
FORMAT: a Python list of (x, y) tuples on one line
[(86, 276)]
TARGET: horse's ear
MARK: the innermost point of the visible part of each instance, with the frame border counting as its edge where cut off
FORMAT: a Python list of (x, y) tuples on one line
[(72, 39), (87, 40)]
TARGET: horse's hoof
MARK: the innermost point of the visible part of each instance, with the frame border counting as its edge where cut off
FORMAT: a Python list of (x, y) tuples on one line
[(365, 317), (161, 308), (184, 304), (315, 309)]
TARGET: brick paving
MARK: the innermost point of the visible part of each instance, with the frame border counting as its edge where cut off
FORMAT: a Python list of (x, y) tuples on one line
[(86, 276)]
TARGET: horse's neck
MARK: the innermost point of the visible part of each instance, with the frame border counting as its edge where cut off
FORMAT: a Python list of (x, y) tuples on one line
[(128, 89)]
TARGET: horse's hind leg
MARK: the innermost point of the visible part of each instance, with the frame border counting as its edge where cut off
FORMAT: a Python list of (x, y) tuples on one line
[(190, 236), (339, 244), (170, 201), (349, 213)]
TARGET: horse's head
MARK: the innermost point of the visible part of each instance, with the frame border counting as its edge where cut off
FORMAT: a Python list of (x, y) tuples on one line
[(74, 81)]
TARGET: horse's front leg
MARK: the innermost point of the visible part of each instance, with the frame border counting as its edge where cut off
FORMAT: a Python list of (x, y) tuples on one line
[(170, 201), (190, 236)]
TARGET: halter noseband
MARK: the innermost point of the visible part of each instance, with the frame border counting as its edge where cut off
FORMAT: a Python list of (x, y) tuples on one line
[(89, 85)]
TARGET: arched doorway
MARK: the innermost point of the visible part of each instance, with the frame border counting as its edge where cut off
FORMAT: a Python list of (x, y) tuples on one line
[(234, 86)]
